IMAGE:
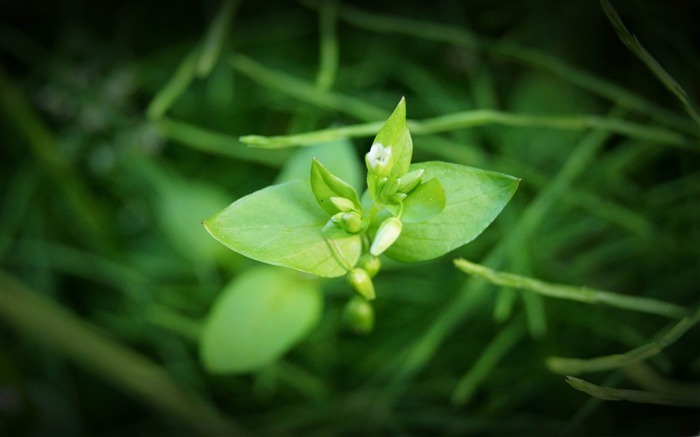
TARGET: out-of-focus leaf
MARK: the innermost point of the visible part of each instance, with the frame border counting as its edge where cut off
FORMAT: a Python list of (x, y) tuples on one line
[(257, 318)]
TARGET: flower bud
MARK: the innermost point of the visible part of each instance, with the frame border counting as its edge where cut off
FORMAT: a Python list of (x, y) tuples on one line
[(351, 222), (378, 160), (388, 232), (371, 264), (410, 180), (361, 282), (359, 315), (343, 204)]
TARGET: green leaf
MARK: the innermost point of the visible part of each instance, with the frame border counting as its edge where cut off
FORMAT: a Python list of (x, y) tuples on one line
[(474, 199), (424, 202), (257, 318), (325, 185), (394, 135), (281, 225)]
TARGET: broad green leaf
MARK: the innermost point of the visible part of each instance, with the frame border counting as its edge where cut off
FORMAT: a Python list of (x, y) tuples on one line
[(394, 134), (424, 202), (474, 199), (257, 318), (340, 157), (325, 185), (281, 225)]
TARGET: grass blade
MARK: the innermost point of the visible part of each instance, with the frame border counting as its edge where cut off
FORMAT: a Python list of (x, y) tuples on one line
[(570, 292), (574, 366), (645, 397), (640, 52)]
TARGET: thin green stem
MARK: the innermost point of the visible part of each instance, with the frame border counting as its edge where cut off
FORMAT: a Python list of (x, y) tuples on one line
[(26, 312), (645, 397), (175, 87), (518, 53), (305, 91), (216, 37), (574, 366), (482, 117), (328, 45), (487, 361), (575, 293), (215, 142), (640, 52)]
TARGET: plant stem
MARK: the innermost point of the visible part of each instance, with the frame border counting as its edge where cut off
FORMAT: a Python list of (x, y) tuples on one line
[(216, 36), (482, 117), (570, 292), (216, 142), (328, 50), (305, 91), (518, 53), (645, 397), (491, 355), (574, 366)]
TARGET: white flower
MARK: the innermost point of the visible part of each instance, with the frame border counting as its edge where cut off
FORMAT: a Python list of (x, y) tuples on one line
[(378, 159)]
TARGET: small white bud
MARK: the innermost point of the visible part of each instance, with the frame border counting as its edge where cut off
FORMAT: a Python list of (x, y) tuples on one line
[(388, 232)]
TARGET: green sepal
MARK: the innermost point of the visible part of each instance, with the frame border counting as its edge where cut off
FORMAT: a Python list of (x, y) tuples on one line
[(325, 185), (424, 202)]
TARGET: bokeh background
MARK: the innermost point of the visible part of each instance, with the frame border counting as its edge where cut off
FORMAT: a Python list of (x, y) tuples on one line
[(114, 149)]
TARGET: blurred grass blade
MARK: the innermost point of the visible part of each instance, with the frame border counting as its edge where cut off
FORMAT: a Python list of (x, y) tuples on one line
[(328, 44), (175, 87), (640, 52), (28, 313), (570, 292), (304, 91), (573, 366), (215, 142), (645, 397), (487, 361), (483, 117), (92, 220), (518, 53), (215, 37)]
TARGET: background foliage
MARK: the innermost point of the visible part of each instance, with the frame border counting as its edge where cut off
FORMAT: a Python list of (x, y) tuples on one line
[(119, 132)]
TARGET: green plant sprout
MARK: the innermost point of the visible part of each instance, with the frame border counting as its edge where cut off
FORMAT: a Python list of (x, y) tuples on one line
[(408, 212)]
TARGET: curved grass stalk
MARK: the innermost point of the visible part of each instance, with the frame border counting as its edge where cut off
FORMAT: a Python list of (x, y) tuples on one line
[(492, 354), (215, 37), (482, 117), (569, 292), (328, 49), (305, 91), (645, 397), (518, 53), (639, 51), (574, 366)]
